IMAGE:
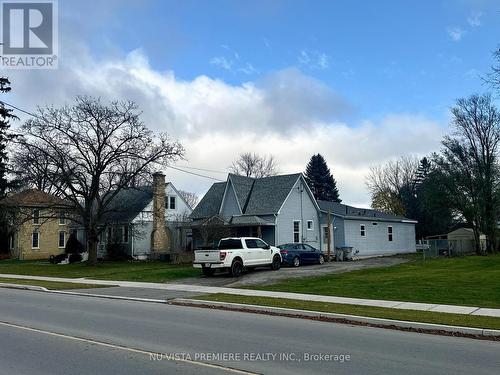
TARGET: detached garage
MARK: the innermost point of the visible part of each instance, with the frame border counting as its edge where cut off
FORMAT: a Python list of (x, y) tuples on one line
[(368, 232)]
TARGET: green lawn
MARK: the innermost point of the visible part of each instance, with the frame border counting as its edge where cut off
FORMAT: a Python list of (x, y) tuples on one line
[(147, 271), (470, 281), (376, 312), (50, 284)]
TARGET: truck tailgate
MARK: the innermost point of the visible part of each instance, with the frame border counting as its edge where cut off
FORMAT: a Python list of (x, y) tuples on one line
[(207, 256)]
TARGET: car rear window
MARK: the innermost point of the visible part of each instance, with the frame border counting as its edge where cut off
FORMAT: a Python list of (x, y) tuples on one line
[(230, 244)]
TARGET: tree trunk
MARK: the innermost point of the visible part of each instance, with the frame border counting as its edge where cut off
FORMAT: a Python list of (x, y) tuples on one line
[(92, 241), (477, 240)]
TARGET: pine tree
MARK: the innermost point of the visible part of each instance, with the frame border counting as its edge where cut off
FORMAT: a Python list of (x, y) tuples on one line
[(320, 180), (5, 117)]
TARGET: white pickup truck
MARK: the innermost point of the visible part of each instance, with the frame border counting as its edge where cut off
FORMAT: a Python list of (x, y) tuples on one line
[(235, 254)]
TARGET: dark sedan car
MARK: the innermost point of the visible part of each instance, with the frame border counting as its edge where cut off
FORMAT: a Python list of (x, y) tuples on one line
[(295, 254)]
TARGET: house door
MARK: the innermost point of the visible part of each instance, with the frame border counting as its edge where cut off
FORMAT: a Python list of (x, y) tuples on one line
[(324, 240)]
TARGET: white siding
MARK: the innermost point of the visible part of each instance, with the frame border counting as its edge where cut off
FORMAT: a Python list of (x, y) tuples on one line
[(181, 211), (296, 208), (376, 239), (143, 223)]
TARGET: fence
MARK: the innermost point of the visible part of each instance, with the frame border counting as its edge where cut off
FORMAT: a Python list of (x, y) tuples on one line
[(451, 248)]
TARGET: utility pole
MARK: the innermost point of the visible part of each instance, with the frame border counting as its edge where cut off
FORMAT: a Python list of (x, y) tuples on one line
[(329, 236)]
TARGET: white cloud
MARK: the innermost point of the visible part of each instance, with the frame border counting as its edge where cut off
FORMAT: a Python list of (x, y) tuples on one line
[(455, 33), (474, 19), (287, 114), (313, 59), (221, 62)]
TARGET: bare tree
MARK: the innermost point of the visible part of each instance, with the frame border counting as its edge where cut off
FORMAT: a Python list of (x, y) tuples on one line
[(190, 198), (212, 230), (254, 165), (32, 169), (477, 136), (392, 183), (94, 150)]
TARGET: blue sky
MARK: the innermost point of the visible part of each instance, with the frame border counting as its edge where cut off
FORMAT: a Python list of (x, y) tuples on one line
[(381, 56), (361, 82)]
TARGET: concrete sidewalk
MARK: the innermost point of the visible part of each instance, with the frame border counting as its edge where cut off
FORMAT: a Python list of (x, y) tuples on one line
[(197, 289)]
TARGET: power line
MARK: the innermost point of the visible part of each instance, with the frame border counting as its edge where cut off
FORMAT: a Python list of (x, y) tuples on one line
[(196, 174), (177, 168), (203, 169), (20, 109)]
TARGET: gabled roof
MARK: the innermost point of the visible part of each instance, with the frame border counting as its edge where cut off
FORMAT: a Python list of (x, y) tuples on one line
[(242, 187), (33, 198), (210, 203), (346, 211), (127, 204), (269, 193), (256, 196)]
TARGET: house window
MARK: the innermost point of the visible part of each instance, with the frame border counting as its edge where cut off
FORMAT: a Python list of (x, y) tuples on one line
[(389, 233), (310, 225), (35, 240), (125, 233), (172, 203), (62, 239), (296, 231), (362, 230), (62, 219), (36, 216), (11, 242), (110, 234)]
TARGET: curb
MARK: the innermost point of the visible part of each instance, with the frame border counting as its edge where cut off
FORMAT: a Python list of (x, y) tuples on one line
[(24, 287), (345, 318), (106, 296)]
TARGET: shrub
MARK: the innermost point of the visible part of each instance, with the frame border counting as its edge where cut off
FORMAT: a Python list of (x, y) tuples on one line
[(75, 258), (116, 251), (73, 245)]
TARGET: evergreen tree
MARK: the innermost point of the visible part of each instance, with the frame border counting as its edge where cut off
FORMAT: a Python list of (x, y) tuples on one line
[(5, 117), (320, 180)]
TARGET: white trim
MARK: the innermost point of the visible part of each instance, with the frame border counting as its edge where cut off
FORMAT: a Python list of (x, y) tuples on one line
[(59, 239), (38, 240), (312, 224), (293, 230), (224, 195)]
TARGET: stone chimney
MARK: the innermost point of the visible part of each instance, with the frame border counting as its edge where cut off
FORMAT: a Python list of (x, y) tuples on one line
[(160, 238)]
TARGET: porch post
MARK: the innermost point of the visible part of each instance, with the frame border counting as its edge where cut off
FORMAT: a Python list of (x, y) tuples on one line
[(259, 231)]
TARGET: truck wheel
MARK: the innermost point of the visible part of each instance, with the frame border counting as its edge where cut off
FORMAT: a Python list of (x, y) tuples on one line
[(208, 271), (236, 268), (276, 264), (296, 261)]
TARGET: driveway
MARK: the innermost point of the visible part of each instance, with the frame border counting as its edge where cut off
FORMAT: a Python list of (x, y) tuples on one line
[(265, 276)]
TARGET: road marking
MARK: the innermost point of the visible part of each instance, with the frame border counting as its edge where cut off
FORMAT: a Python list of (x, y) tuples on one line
[(126, 348)]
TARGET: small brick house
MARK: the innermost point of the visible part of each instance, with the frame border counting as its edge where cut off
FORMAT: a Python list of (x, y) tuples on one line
[(39, 225)]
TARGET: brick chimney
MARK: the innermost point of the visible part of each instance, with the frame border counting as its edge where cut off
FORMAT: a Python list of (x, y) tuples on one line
[(160, 238)]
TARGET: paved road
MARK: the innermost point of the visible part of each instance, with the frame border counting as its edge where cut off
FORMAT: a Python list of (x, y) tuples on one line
[(135, 329), (264, 275)]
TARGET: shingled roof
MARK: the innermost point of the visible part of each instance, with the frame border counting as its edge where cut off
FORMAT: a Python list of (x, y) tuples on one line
[(355, 212), (127, 204), (33, 198), (256, 196)]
